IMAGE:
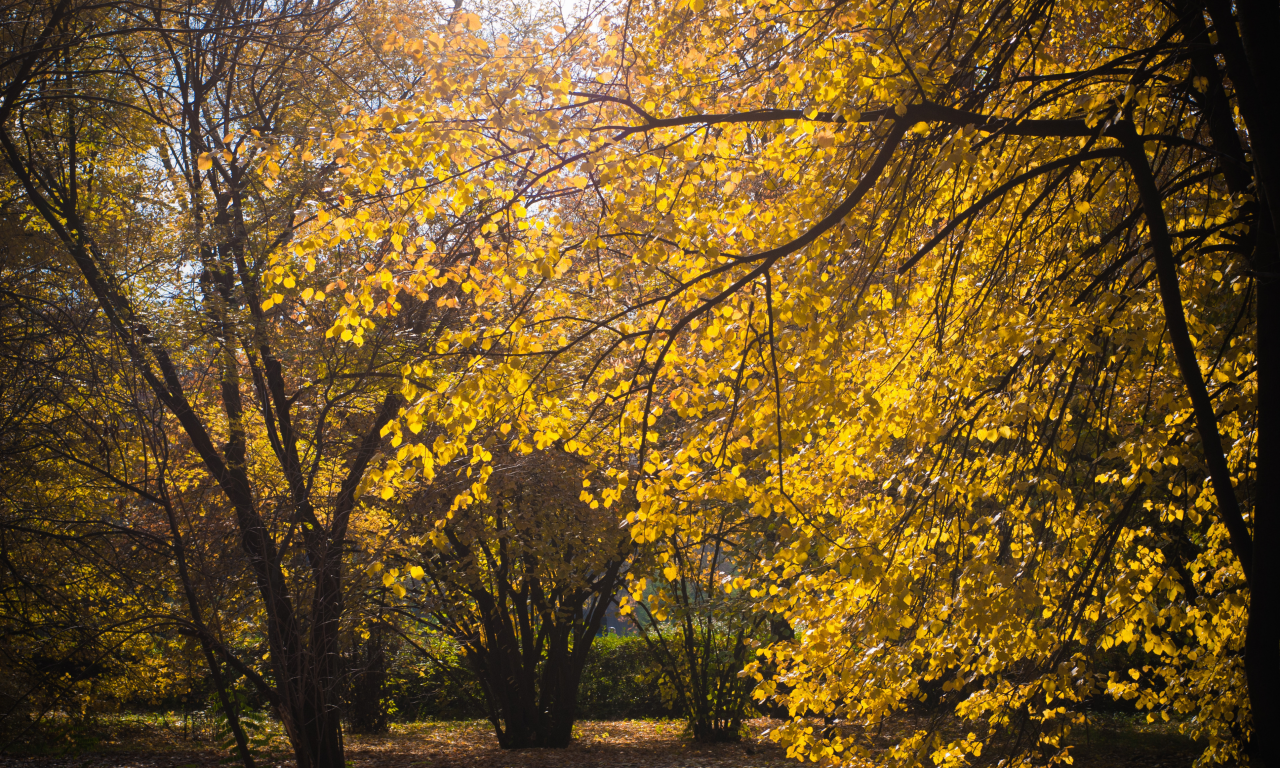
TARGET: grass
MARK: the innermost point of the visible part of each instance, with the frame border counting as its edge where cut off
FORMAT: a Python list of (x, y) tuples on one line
[(160, 733)]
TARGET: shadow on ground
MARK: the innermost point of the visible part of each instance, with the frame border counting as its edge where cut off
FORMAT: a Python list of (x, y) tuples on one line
[(1109, 741)]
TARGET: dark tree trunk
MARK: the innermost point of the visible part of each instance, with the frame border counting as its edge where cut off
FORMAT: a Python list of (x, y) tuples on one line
[(1253, 64), (206, 641), (1262, 639), (367, 676), (531, 707), (531, 687)]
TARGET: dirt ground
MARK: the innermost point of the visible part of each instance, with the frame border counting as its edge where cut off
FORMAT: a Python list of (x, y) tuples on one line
[(621, 744)]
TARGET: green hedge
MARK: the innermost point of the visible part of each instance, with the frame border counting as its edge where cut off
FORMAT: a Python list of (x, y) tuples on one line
[(444, 689), (619, 681)]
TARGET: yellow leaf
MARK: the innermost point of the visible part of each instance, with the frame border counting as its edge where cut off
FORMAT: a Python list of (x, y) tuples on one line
[(204, 162)]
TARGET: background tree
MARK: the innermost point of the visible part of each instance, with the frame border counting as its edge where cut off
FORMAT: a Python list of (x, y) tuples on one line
[(87, 620), (702, 631), (521, 579), (145, 140)]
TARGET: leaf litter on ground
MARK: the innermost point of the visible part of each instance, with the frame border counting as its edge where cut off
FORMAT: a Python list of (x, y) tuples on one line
[(597, 744)]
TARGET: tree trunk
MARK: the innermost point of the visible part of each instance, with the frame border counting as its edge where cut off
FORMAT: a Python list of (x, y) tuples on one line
[(206, 646), (533, 700), (1253, 63), (1262, 638), (367, 674), (559, 697)]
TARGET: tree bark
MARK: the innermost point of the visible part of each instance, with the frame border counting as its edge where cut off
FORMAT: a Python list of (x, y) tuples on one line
[(1262, 638), (1253, 63)]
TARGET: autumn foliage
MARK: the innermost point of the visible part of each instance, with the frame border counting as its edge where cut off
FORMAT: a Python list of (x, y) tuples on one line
[(937, 334)]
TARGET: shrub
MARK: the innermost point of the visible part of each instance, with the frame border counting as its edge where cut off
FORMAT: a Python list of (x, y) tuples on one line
[(441, 687), (618, 681)]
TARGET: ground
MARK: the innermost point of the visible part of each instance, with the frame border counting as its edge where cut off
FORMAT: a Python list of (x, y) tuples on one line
[(174, 743)]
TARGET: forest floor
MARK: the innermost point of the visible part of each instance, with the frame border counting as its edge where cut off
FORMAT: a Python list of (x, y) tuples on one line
[(145, 743)]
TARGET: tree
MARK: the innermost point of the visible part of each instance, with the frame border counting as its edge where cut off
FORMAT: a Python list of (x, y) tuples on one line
[(86, 621), (973, 298), (145, 140), (520, 577), (700, 629)]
